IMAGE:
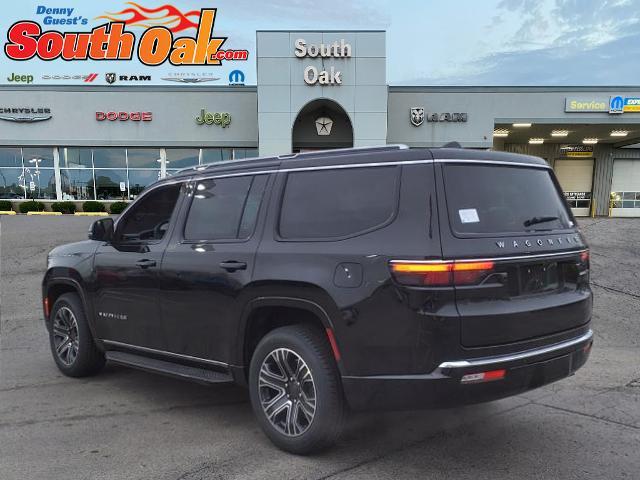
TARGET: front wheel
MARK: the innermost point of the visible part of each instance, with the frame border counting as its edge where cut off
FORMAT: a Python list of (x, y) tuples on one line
[(295, 389), (72, 344)]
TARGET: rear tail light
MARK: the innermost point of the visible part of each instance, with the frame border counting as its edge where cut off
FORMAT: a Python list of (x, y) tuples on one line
[(583, 266), (481, 377), (584, 259), (440, 274)]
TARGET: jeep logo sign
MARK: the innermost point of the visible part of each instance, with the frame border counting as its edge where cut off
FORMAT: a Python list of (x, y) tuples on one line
[(222, 119)]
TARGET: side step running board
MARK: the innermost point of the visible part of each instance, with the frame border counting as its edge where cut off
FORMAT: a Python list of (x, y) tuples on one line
[(168, 368)]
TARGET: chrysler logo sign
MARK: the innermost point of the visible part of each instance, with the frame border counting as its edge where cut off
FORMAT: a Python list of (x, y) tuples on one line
[(25, 114)]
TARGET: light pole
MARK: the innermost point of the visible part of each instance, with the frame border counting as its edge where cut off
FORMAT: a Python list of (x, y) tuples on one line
[(37, 162)]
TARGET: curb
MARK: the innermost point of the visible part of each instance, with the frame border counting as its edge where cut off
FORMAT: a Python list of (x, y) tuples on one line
[(44, 213), (91, 214), (7, 212)]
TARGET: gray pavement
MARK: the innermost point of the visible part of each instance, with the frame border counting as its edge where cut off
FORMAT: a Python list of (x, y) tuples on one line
[(127, 424)]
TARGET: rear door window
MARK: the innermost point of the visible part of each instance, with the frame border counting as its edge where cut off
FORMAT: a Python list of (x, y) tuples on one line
[(490, 199), (224, 208), (338, 203)]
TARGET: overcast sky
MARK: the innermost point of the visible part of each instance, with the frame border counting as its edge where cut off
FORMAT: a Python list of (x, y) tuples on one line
[(446, 42)]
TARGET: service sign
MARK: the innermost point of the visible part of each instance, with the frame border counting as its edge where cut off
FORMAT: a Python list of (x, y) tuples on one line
[(586, 104), (120, 42), (576, 151)]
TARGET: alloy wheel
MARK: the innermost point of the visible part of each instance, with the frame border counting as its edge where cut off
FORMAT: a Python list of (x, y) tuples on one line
[(287, 392), (65, 335)]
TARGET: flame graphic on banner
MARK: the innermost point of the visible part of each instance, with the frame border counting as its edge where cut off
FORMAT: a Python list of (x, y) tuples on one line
[(171, 17)]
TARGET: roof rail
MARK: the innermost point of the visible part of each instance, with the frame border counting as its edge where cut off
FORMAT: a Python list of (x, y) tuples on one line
[(287, 156), (204, 166), (342, 151)]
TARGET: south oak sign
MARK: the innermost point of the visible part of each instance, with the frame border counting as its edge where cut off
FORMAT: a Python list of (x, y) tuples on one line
[(311, 74), (26, 40)]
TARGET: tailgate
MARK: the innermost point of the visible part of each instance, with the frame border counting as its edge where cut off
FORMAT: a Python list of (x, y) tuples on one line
[(524, 298), (516, 219)]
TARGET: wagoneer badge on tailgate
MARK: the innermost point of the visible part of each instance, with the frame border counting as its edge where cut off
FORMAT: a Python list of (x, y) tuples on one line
[(539, 242)]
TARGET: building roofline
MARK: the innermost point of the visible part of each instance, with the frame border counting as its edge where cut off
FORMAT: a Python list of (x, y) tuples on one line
[(392, 88), (132, 88), (511, 88)]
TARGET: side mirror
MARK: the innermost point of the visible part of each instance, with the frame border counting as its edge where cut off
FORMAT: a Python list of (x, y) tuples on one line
[(102, 230)]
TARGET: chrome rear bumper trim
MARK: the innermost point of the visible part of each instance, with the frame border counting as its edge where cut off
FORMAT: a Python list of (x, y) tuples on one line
[(480, 362)]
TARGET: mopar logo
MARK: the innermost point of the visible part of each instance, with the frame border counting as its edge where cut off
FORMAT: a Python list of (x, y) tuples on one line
[(236, 77), (616, 104)]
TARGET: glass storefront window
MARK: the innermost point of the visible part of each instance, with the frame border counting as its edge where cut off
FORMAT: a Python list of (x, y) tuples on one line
[(625, 199), (182, 157), (143, 157), (43, 181), (11, 183), (108, 184), (211, 155), (75, 158), (96, 173), (140, 179), (77, 183), (10, 157), (245, 153), (109, 158), (38, 157), (45, 184)]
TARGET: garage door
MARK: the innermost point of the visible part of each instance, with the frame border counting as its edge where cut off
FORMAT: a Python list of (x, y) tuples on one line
[(625, 188), (576, 178)]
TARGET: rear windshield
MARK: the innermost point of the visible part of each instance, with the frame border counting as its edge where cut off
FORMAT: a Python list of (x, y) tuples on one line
[(488, 199)]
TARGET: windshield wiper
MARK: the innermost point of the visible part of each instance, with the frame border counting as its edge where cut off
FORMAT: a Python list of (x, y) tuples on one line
[(536, 220)]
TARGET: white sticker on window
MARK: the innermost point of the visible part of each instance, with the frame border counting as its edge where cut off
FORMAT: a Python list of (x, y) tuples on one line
[(468, 215)]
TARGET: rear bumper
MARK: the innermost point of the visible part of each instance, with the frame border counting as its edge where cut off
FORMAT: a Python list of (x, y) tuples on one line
[(442, 388)]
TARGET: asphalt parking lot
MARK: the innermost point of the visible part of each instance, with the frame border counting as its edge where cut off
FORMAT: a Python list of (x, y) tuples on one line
[(127, 424)]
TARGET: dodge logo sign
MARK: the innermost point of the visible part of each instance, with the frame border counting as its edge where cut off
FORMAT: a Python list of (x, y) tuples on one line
[(124, 116)]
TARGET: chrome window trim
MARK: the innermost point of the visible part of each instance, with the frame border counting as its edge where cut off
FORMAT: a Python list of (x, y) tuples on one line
[(196, 172), (165, 353), (479, 362), (361, 165)]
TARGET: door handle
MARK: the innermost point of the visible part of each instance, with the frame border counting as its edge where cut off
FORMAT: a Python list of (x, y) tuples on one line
[(145, 263), (232, 265)]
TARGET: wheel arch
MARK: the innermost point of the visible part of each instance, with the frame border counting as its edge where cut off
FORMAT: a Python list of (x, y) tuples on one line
[(54, 287), (265, 312)]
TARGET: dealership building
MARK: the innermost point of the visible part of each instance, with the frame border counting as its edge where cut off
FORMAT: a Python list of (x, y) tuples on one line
[(315, 90)]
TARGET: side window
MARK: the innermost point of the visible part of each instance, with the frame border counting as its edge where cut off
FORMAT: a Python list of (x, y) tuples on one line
[(330, 204), (224, 208), (148, 218)]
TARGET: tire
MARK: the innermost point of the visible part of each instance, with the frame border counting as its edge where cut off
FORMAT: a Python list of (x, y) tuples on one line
[(72, 344), (313, 429)]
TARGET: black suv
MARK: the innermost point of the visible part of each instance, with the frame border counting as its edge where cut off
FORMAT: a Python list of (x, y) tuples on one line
[(375, 278)]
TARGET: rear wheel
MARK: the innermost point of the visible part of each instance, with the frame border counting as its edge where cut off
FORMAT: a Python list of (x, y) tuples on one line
[(72, 344), (295, 389)]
